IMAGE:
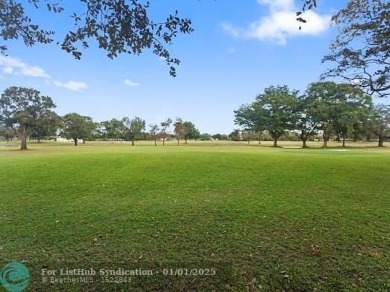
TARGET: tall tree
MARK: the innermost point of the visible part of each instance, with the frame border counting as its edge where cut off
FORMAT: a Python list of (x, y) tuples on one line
[(23, 108), (191, 132), (246, 118), (361, 50), (117, 26), (179, 129), (381, 123), (274, 110), (164, 126), (305, 124), (46, 126), (113, 129), (324, 97), (250, 119), (134, 127), (76, 127), (336, 107), (153, 130), (353, 107)]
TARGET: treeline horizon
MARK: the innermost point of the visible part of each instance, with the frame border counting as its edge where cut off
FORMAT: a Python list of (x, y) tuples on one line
[(325, 111)]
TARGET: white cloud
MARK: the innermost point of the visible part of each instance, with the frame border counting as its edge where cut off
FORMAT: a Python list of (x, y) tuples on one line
[(8, 70), (280, 23), (277, 5), (72, 85), (15, 66), (130, 83)]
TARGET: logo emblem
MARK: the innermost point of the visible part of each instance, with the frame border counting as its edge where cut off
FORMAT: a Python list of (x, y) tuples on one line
[(14, 277)]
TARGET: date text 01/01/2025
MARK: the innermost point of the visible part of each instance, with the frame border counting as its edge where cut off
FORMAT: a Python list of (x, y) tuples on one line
[(189, 272)]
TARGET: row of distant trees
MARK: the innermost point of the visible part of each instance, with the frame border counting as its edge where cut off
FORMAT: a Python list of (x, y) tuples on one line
[(133, 129), (25, 113), (326, 108)]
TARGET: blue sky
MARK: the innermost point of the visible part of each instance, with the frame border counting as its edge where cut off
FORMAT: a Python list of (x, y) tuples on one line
[(235, 52)]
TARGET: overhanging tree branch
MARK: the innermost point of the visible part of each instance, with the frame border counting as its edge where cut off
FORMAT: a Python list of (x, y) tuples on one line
[(367, 22), (117, 26)]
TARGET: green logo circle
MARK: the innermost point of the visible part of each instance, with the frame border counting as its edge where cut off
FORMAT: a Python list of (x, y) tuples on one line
[(14, 277)]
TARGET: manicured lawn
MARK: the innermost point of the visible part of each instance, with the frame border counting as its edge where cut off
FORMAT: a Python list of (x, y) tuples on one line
[(266, 219)]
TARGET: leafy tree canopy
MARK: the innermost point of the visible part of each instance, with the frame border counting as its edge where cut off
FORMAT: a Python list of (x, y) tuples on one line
[(23, 108), (272, 110), (134, 127), (46, 126), (75, 127), (113, 129), (117, 26), (381, 123), (336, 106), (191, 132), (361, 50)]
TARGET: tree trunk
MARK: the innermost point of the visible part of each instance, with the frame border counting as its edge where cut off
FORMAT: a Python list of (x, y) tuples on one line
[(275, 142), (132, 142), (163, 141), (343, 141), (185, 140), (260, 138), (325, 136), (304, 145), (380, 141), (23, 144), (155, 142), (75, 142), (178, 142)]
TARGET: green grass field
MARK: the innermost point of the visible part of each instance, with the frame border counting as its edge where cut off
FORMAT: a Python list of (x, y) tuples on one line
[(266, 219)]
